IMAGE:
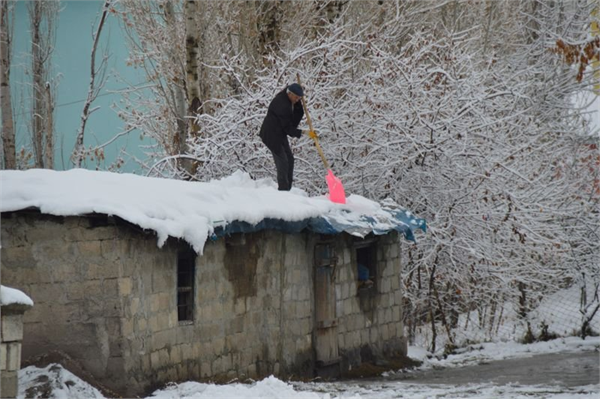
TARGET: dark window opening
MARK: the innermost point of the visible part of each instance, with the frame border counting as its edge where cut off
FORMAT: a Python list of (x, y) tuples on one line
[(186, 271), (366, 264)]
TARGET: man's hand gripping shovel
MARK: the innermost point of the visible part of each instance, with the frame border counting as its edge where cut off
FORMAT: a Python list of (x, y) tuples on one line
[(336, 189)]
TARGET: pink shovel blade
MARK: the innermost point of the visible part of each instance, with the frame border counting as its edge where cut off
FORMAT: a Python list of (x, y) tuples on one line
[(336, 189)]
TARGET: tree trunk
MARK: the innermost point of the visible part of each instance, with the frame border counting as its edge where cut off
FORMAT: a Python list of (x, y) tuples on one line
[(269, 17), (49, 150), (42, 15), (37, 117), (192, 48), (192, 43), (180, 137), (79, 151), (8, 129)]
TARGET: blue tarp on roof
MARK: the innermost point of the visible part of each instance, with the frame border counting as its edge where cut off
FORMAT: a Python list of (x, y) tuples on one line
[(393, 219)]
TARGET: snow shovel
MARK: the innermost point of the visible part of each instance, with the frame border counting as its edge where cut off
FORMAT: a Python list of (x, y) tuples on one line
[(336, 189)]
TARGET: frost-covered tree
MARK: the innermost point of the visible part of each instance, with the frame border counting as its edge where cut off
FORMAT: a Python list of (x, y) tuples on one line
[(8, 128), (42, 20), (460, 110), (97, 82)]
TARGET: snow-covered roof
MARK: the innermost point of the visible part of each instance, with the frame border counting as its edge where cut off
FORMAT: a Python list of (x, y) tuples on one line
[(196, 211), (11, 296)]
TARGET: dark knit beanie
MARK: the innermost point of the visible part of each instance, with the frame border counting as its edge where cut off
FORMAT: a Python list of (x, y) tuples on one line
[(296, 89)]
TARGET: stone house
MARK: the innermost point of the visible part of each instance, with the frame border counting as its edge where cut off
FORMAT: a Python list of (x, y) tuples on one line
[(275, 297)]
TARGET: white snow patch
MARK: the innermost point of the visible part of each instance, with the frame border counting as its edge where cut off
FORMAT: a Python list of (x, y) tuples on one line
[(53, 381), (174, 208), (66, 385), (9, 296)]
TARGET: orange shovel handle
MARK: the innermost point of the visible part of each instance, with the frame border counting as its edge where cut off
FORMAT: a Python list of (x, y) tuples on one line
[(310, 126)]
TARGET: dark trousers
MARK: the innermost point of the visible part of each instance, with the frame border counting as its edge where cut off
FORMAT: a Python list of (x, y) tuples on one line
[(284, 162)]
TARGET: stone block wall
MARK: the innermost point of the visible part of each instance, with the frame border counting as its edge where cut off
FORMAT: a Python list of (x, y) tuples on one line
[(252, 313), (106, 295), (71, 267), (11, 337), (370, 320)]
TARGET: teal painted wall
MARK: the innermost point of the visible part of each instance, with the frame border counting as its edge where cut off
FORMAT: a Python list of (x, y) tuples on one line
[(77, 20)]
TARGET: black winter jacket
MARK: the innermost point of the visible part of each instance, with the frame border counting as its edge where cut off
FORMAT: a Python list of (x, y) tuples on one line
[(282, 120)]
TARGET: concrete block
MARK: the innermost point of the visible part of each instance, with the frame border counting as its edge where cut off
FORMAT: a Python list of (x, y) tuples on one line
[(306, 325), (93, 288), (236, 325), (341, 341), (155, 360), (145, 362), (395, 251), (13, 356), (345, 291), (162, 339), (386, 285), (396, 314), (127, 327), (12, 328), (347, 307), (141, 325), (165, 302), (226, 363), (355, 338), (246, 359), (111, 250), (175, 354), (388, 315), (134, 306), (209, 291), (9, 384), (366, 334), (218, 346), (297, 277), (240, 307), (398, 297), (155, 303), (163, 282), (3, 350), (252, 371), (272, 318), (215, 311), (163, 356), (304, 293), (14, 258), (205, 370), (90, 248), (217, 365), (288, 294), (125, 286), (305, 343), (187, 351)]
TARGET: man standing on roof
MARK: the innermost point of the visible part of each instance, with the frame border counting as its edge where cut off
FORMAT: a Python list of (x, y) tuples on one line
[(282, 120)]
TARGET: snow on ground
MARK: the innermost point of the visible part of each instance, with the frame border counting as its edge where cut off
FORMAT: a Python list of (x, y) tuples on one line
[(53, 381), (66, 385), (560, 312), (484, 352)]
